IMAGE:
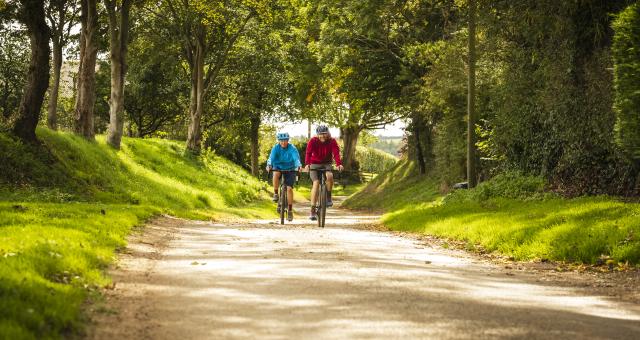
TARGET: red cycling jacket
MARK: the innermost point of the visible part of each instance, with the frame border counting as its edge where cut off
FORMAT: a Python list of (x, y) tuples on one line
[(321, 153)]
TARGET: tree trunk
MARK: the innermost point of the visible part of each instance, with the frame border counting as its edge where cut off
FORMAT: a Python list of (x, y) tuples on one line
[(38, 74), (197, 100), (255, 143), (472, 175), (119, 38), (86, 97), (52, 108), (6, 112), (350, 140), (417, 124)]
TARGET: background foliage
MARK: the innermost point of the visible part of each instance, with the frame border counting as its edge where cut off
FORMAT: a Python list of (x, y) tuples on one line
[(626, 53)]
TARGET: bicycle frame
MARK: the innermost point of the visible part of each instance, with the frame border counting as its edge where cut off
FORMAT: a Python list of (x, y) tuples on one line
[(282, 199), (321, 199)]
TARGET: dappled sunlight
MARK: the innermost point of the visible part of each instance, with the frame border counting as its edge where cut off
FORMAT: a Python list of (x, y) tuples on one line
[(268, 281), (167, 183), (400, 186)]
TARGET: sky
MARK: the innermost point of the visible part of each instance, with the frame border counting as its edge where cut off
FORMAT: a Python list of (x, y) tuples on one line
[(300, 129)]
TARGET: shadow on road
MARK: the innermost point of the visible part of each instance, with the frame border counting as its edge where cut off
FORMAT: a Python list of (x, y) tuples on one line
[(266, 281)]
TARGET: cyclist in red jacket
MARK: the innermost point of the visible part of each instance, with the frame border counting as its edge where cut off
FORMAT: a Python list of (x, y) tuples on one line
[(321, 151)]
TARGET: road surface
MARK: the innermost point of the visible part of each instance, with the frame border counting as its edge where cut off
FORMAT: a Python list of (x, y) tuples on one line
[(258, 280)]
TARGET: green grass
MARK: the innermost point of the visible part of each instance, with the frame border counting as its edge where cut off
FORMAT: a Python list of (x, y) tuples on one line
[(394, 189), (67, 206), (51, 256), (529, 225)]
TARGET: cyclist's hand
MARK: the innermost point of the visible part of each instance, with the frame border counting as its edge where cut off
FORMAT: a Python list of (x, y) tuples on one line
[(340, 168), (268, 168), (306, 168)]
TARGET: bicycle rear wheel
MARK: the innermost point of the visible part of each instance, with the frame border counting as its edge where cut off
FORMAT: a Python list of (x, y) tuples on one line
[(322, 211), (283, 202)]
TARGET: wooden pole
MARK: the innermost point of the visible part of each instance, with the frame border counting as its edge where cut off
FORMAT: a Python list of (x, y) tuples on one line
[(472, 176)]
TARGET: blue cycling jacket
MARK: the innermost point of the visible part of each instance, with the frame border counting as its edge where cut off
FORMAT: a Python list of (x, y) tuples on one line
[(284, 159)]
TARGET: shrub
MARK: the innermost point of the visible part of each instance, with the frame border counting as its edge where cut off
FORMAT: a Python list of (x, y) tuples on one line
[(626, 55)]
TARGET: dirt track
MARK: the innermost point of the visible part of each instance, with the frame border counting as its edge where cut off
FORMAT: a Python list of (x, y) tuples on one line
[(197, 280)]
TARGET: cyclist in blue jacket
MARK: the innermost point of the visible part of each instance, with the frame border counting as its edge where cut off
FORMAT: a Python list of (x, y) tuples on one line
[(284, 157)]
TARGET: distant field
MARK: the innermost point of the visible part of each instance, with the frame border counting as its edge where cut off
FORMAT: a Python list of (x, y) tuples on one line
[(390, 145)]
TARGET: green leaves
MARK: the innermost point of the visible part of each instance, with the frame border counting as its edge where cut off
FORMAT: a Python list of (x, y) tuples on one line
[(14, 60), (626, 54)]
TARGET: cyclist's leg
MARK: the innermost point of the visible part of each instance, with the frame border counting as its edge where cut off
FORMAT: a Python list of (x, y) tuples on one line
[(290, 195), (289, 181), (329, 181), (276, 185), (315, 179), (314, 198), (329, 188), (276, 181), (314, 192), (290, 203)]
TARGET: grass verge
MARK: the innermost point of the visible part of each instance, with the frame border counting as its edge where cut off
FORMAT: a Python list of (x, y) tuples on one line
[(511, 215), (66, 206), (397, 188)]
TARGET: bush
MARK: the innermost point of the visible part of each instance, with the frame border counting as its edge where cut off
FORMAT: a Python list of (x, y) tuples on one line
[(626, 56)]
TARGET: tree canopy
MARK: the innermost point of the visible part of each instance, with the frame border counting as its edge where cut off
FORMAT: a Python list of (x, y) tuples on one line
[(543, 100)]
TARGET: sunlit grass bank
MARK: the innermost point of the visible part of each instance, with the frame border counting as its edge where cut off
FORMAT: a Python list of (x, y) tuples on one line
[(67, 206), (394, 189), (511, 215)]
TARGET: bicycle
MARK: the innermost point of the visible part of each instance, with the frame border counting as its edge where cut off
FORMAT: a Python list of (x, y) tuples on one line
[(282, 193), (321, 201)]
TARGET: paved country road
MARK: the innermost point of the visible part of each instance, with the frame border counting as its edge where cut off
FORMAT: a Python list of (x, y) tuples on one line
[(199, 280)]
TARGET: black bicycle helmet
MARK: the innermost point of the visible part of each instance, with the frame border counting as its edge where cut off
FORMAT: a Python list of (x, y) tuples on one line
[(322, 129)]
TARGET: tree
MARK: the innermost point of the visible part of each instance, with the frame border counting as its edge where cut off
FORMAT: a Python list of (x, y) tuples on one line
[(31, 14), (441, 113), (119, 25), (262, 81), (372, 62), (208, 30), (157, 92), (304, 72), (627, 82), (472, 176), (86, 97), (14, 62), (61, 15), (361, 66), (551, 112)]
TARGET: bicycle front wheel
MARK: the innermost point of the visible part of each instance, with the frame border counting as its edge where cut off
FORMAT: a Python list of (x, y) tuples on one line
[(322, 211), (283, 203)]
